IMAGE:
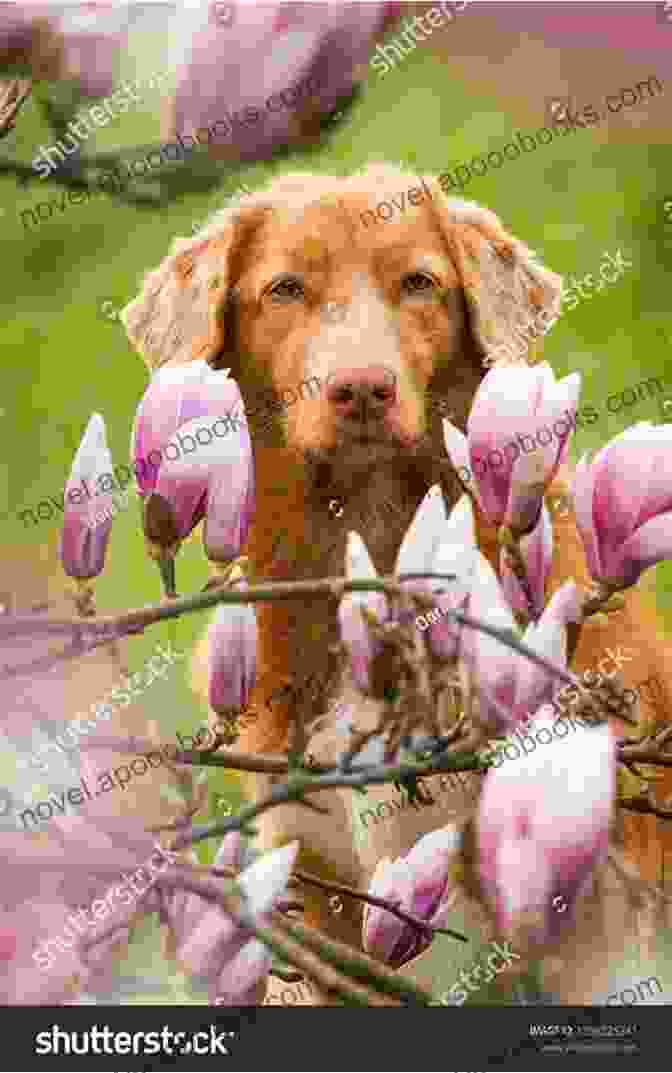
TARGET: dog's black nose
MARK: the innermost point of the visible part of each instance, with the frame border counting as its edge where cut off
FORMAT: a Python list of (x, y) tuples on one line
[(362, 393)]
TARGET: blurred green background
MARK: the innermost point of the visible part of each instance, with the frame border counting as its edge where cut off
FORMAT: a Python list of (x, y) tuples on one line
[(571, 201)]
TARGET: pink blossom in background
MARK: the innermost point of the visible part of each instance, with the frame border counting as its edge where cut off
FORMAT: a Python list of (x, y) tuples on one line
[(263, 51), (92, 36)]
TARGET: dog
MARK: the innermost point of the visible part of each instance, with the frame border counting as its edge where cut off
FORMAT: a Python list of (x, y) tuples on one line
[(427, 299)]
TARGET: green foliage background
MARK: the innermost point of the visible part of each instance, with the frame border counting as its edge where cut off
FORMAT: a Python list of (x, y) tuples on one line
[(572, 201)]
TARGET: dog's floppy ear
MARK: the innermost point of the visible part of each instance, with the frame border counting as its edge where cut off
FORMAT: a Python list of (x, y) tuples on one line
[(511, 298), (180, 314)]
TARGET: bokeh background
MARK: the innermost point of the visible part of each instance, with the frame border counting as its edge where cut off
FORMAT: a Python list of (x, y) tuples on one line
[(495, 70)]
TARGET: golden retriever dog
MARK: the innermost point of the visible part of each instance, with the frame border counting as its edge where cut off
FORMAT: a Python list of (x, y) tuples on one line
[(398, 320)]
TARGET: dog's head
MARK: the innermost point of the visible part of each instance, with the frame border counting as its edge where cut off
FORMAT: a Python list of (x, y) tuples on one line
[(351, 332)]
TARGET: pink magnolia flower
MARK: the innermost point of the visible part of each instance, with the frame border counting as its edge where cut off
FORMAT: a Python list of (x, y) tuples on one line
[(433, 543), (543, 825), (230, 503), (537, 552), (22, 982), (623, 504), (511, 687), (457, 554), (436, 543), (232, 656), (239, 982), (242, 78), (213, 948), (85, 41), (517, 438), (8, 942), (83, 540), (423, 536), (46, 879), (184, 909), (94, 35), (419, 884), (355, 633), (180, 407)]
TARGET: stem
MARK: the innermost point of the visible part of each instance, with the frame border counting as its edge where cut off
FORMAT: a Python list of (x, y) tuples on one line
[(301, 784), (360, 965), (272, 936), (137, 620), (166, 565)]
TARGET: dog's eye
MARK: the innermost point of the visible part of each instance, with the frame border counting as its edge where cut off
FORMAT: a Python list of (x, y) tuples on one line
[(415, 282), (288, 289)]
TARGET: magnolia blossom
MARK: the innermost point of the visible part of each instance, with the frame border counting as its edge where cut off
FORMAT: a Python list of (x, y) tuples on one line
[(47, 879), (536, 550), (423, 536), (184, 909), (179, 409), (226, 955), (421, 884), (456, 555), (245, 70), (543, 825), (517, 438), (623, 504), (83, 547), (355, 633), (57, 41), (232, 656), (230, 503), (511, 687), (433, 543)]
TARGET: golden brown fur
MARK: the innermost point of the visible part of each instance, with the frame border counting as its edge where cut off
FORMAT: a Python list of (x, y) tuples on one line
[(210, 299)]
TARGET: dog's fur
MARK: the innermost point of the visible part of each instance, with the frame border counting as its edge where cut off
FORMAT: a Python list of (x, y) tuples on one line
[(210, 299)]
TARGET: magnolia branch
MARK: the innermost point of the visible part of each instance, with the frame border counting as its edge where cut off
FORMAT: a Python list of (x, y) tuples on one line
[(315, 776)]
